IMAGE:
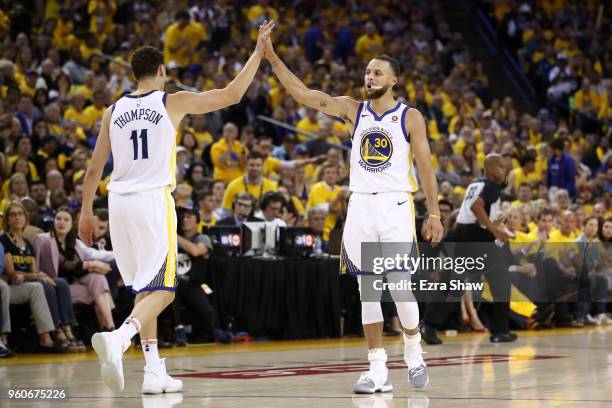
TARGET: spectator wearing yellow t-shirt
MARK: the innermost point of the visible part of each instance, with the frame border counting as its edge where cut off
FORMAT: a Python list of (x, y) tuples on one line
[(28, 86), (370, 44), (228, 155), (273, 165), (327, 195), (75, 111), (23, 150), (252, 182), (525, 174), (181, 39), (95, 111), (310, 123), (586, 99), (198, 127), (524, 194), (206, 204)]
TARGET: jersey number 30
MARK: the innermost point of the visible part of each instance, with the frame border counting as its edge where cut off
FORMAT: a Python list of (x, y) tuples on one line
[(145, 145)]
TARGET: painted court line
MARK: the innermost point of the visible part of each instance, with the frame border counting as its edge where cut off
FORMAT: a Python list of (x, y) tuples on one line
[(356, 367)]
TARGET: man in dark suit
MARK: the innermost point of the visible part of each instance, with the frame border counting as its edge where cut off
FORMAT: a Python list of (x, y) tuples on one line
[(242, 209)]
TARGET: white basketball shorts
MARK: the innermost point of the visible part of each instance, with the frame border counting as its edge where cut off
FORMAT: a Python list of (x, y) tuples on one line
[(143, 233), (381, 217)]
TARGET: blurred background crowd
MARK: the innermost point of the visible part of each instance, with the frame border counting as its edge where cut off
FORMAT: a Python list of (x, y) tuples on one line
[(63, 63)]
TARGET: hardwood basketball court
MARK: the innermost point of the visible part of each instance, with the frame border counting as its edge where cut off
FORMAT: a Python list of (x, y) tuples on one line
[(557, 368)]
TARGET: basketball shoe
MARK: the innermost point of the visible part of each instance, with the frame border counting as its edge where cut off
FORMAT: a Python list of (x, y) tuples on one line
[(157, 381)]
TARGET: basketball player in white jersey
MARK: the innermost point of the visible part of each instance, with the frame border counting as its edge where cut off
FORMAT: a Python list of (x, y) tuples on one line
[(386, 136), (139, 130)]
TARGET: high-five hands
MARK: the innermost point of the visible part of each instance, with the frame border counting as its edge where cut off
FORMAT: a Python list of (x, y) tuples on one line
[(264, 35)]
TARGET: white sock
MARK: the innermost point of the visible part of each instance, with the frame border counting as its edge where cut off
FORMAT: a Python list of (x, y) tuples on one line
[(378, 359), (413, 353), (127, 330), (149, 348), (378, 365)]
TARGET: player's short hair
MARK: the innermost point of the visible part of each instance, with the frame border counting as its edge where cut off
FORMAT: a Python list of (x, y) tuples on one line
[(145, 62), (395, 65)]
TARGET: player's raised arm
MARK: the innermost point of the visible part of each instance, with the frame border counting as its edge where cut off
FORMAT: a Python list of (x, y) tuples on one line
[(340, 106), (92, 178), (183, 103), (422, 154)]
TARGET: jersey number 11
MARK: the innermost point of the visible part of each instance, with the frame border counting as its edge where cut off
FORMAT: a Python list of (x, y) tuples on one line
[(145, 146)]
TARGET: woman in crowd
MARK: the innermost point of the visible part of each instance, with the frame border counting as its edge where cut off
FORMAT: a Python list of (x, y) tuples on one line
[(85, 268), (28, 284), (57, 291), (17, 189)]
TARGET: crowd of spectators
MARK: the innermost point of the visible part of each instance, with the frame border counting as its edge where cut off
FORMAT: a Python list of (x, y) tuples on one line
[(63, 63)]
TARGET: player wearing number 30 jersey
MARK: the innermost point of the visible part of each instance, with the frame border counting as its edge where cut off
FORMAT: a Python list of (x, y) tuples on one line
[(139, 129), (385, 135)]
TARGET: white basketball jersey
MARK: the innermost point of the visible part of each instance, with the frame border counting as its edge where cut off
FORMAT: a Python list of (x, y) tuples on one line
[(143, 143), (381, 156)]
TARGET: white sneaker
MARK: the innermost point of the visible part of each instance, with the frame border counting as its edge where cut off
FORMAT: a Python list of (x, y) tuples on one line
[(157, 381), (417, 369), (366, 384), (110, 348)]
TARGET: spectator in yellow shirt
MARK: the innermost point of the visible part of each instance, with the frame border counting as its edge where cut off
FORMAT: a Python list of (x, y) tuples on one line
[(198, 127), (335, 158), (182, 39), (370, 44), (328, 196), (23, 150), (524, 174), (95, 111), (28, 86), (563, 238), (308, 124), (75, 111), (228, 155), (273, 165), (206, 203), (252, 182), (523, 195)]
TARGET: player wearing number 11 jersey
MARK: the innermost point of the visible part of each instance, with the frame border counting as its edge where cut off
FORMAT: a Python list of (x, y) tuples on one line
[(139, 129)]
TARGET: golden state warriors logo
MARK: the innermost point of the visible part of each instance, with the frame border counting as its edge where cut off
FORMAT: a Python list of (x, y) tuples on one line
[(376, 150)]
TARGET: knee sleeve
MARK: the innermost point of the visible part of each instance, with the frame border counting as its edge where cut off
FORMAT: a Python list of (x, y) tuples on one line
[(408, 313), (405, 302), (371, 312)]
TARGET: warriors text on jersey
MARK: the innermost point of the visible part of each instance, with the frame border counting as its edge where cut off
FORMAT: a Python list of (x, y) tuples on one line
[(381, 156), (143, 143)]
